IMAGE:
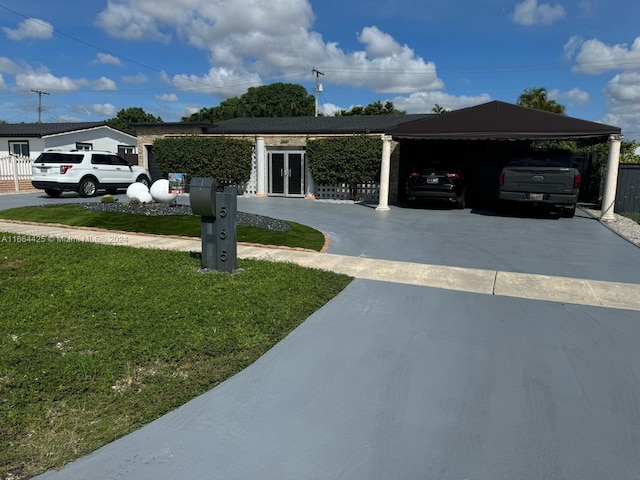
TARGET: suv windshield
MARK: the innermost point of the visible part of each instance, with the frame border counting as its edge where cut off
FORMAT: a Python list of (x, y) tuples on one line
[(50, 157)]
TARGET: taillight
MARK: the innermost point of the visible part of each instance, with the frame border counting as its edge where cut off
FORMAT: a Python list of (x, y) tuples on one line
[(414, 175), (501, 179), (453, 175), (576, 181), (64, 168)]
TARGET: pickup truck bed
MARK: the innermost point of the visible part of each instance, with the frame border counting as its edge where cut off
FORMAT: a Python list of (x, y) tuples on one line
[(541, 178)]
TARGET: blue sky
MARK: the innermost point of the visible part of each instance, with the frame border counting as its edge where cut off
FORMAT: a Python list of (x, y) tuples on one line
[(173, 57)]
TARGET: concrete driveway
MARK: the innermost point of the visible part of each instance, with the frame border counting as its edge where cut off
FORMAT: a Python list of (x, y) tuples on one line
[(399, 381)]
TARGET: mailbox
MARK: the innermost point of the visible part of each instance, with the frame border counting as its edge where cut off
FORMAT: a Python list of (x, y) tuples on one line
[(202, 195)]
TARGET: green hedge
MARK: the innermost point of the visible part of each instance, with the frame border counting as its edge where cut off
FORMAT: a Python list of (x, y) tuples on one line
[(351, 160), (227, 160)]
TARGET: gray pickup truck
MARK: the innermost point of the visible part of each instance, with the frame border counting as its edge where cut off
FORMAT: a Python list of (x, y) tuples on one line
[(541, 177)]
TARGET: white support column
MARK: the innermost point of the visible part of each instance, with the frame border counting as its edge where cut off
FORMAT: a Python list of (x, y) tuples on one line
[(261, 167), (611, 183), (385, 170)]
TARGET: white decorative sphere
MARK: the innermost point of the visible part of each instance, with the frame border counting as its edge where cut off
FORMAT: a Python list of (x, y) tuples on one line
[(160, 191), (136, 189), (144, 197)]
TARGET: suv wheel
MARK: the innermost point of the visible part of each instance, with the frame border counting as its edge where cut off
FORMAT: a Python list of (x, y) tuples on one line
[(144, 180), (461, 203), (52, 193), (88, 187)]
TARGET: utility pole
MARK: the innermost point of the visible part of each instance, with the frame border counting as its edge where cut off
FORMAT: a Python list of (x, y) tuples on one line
[(40, 93), (318, 86)]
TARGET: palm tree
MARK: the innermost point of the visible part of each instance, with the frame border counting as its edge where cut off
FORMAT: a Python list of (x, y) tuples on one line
[(537, 98), (438, 109)]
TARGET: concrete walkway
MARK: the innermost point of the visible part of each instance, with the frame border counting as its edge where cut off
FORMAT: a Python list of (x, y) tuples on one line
[(470, 346), (489, 282)]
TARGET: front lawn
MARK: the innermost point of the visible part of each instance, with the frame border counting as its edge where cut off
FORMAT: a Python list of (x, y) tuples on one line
[(98, 340), (299, 235)]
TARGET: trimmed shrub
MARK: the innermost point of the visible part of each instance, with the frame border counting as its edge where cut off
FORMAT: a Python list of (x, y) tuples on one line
[(227, 160), (351, 160)]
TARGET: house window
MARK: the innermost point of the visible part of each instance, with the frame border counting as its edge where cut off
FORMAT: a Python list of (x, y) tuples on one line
[(126, 149), (19, 147), (84, 146)]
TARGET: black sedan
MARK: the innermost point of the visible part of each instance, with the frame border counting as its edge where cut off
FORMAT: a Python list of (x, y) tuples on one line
[(438, 183)]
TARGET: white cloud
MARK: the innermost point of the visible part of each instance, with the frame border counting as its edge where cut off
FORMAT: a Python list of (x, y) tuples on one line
[(379, 44), (138, 78), (105, 109), (104, 84), (594, 56), (123, 21), (167, 97), (44, 80), (246, 42), (2, 84), (576, 96), (47, 81), (423, 102), (227, 82), (529, 12), (190, 110), (9, 66), (106, 59), (30, 28)]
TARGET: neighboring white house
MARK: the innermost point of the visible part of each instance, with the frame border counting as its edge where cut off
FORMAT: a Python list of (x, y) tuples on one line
[(31, 139), (21, 143)]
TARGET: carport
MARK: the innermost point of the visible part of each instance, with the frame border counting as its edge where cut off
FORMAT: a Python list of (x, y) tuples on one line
[(500, 126)]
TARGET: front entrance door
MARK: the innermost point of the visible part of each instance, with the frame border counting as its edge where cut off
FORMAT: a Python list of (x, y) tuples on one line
[(286, 174)]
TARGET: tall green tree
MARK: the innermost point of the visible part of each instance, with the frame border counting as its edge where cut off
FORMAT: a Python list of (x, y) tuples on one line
[(127, 116), (374, 108), (275, 100), (538, 98)]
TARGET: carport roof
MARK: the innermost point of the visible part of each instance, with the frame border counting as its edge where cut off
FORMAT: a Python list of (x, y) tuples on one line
[(502, 121)]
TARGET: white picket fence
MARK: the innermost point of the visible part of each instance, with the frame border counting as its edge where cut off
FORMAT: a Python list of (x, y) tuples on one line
[(15, 170)]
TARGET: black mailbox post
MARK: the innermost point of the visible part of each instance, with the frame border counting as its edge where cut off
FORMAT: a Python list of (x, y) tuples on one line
[(202, 195), (219, 223)]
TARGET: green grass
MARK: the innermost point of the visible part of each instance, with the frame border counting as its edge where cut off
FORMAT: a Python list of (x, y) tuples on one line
[(299, 235), (98, 340), (633, 216)]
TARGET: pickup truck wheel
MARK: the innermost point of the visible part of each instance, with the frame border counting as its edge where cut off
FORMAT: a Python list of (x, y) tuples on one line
[(569, 212), (52, 193), (88, 187)]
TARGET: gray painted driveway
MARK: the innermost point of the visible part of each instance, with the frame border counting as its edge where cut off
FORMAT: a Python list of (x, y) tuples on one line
[(408, 382)]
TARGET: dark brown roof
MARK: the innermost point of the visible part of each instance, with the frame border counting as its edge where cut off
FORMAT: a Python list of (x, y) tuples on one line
[(502, 121), (345, 125), (43, 129)]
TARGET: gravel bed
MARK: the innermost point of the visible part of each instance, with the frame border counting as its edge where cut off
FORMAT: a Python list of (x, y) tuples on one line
[(623, 226), (164, 209)]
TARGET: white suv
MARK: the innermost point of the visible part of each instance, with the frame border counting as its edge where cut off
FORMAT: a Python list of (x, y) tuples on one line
[(84, 171)]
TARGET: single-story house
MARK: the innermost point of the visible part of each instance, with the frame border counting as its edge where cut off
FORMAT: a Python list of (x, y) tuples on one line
[(481, 137)]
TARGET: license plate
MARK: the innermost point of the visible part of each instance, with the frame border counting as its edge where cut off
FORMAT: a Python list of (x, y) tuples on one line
[(536, 196), (432, 179)]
